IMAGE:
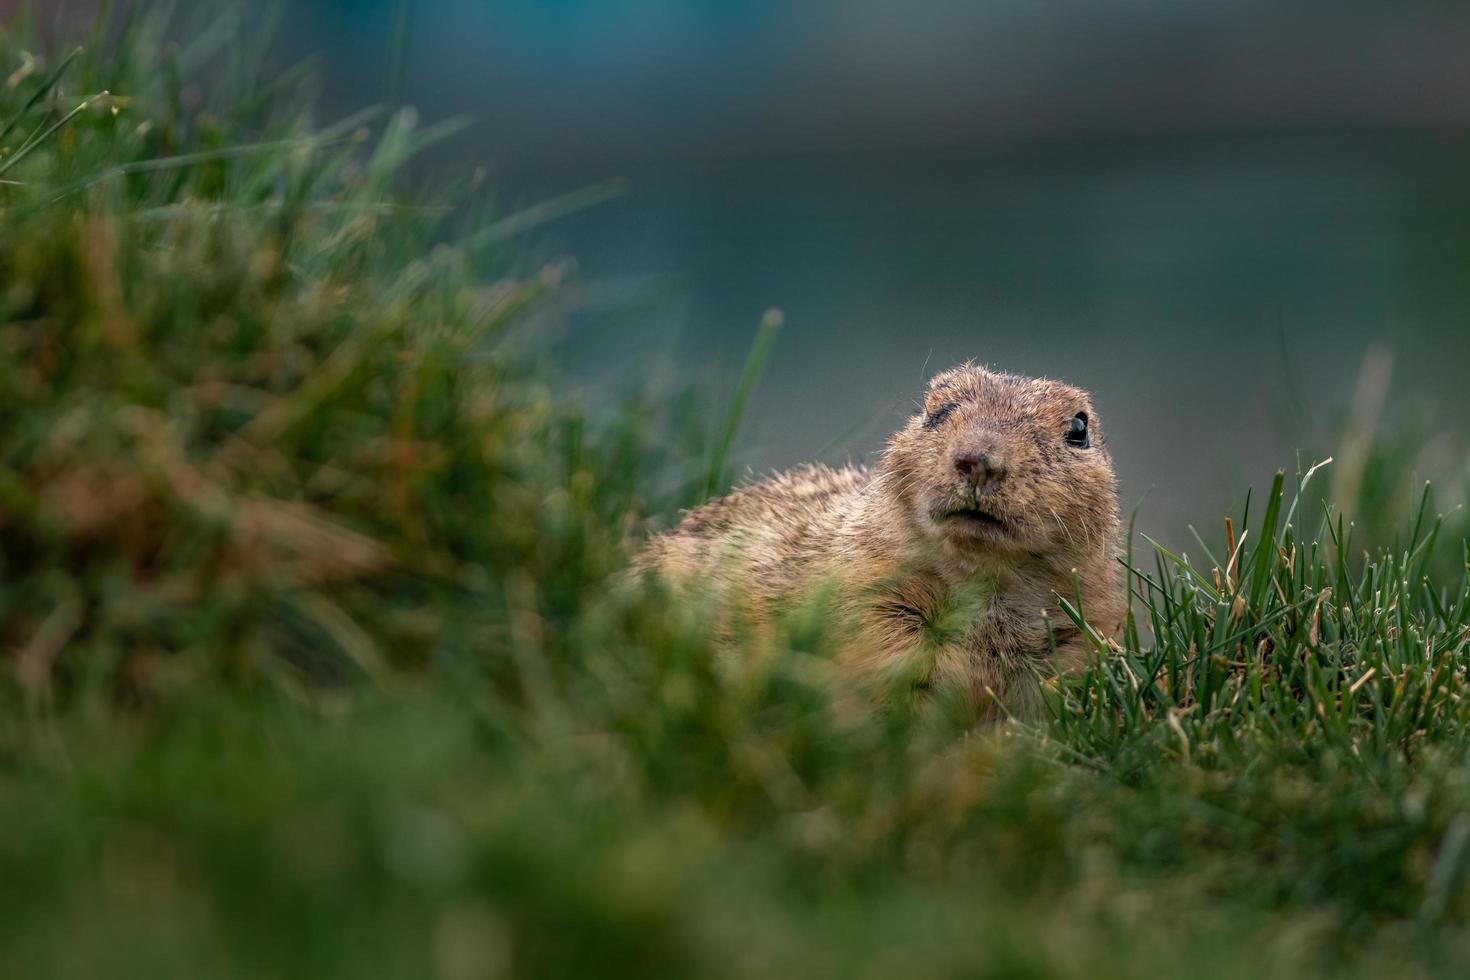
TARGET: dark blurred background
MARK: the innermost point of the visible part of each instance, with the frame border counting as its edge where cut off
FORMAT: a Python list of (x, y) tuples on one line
[(1209, 213)]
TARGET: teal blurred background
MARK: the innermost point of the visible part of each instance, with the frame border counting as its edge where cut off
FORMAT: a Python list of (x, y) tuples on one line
[(1207, 212)]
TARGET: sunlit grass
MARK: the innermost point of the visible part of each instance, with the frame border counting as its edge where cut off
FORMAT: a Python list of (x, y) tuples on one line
[(313, 664)]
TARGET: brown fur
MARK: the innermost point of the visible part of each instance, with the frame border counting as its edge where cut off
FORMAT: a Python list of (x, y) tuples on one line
[(923, 598)]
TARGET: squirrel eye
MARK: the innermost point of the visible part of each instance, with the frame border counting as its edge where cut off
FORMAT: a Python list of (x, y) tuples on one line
[(1077, 432)]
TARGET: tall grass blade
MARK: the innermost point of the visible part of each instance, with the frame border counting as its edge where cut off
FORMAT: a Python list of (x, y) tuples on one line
[(40, 93), (755, 363)]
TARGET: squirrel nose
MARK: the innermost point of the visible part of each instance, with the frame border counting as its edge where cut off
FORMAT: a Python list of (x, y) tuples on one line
[(979, 469)]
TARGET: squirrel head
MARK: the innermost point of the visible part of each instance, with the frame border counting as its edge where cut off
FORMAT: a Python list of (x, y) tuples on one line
[(1003, 463)]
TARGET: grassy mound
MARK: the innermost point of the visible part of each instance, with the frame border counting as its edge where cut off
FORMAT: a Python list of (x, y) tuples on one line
[(257, 417), (311, 666)]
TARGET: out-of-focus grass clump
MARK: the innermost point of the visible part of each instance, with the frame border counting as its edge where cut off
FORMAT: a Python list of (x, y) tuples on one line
[(312, 664), (256, 419)]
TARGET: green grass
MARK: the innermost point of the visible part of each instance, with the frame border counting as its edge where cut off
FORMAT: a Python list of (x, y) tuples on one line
[(312, 665)]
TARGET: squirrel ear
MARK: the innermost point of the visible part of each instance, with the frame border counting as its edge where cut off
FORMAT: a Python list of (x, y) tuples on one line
[(953, 381), (944, 379), (946, 397), (940, 390)]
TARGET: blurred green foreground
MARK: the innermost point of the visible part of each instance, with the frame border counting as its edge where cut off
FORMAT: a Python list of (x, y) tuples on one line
[(310, 665)]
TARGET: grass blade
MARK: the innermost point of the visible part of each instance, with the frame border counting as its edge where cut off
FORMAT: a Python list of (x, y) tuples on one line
[(36, 96), (755, 363)]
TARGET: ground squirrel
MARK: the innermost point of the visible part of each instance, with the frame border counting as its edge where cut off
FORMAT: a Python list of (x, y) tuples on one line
[(944, 563)]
